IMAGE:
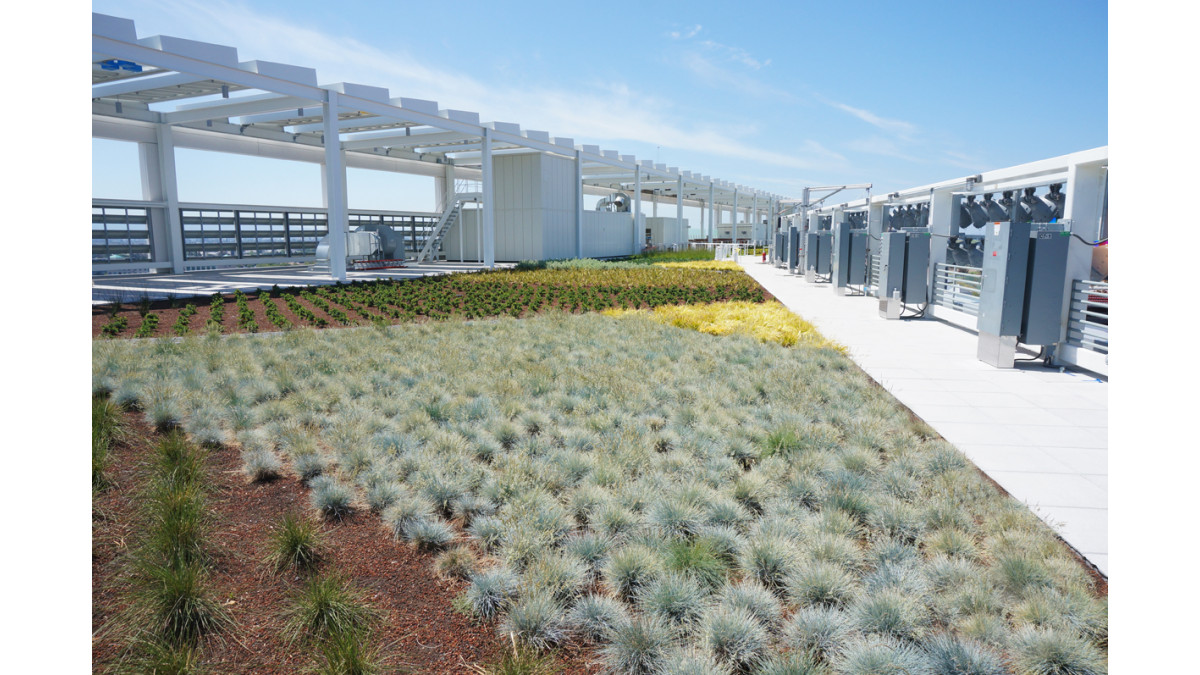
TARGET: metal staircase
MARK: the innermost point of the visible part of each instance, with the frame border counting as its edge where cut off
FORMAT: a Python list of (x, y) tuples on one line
[(433, 242)]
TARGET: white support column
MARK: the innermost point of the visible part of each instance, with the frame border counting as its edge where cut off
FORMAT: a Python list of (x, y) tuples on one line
[(734, 217), (679, 207), (157, 161), (335, 187), (712, 220), (654, 202), (754, 224), (1085, 204), (446, 192), (578, 204), (488, 217), (941, 221), (638, 234)]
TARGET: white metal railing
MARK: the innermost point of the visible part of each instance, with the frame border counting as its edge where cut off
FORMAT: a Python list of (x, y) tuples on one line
[(1087, 322), (957, 287), (873, 271)]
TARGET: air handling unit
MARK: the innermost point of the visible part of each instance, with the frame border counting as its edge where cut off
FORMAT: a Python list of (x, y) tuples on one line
[(1022, 288), (903, 270)]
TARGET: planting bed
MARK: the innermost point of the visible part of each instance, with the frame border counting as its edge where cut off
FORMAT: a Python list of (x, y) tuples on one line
[(575, 287), (676, 501)]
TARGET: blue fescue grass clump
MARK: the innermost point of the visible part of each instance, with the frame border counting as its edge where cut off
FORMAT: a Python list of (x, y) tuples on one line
[(755, 599), (822, 632), (535, 620), (677, 598), (620, 454), (691, 661), (1055, 652), (891, 612), (631, 569), (331, 498), (734, 637), (949, 655), (593, 617), (883, 656), (492, 591), (638, 646), (821, 584)]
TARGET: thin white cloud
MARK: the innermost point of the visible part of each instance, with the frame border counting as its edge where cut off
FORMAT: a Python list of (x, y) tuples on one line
[(736, 54), (878, 145), (905, 130), (720, 77), (686, 34)]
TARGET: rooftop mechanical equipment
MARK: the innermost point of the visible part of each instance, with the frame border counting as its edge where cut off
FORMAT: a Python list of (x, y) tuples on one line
[(1022, 290), (848, 259), (903, 270)]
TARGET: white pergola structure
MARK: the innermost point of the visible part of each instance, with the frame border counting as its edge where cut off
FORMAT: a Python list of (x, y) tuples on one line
[(165, 92)]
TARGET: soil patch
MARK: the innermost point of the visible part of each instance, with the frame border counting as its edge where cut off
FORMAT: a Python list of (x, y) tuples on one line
[(420, 631)]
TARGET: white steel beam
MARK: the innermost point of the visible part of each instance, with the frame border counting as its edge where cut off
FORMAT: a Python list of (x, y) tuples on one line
[(234, 109), (335, 189)]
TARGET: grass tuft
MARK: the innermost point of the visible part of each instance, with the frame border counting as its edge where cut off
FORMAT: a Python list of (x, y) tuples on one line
[(1055, 652), (328, 606), (296, 544)]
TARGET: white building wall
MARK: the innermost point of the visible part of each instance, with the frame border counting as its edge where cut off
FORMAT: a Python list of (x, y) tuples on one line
[(607, 234), (557, 199), (535, 216)]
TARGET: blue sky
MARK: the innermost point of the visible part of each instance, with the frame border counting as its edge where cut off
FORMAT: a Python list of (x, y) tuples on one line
[(772, 95)]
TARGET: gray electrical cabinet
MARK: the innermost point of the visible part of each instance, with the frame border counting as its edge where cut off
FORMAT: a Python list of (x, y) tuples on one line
[(780, 251), (891, 273), (817, 258), (848, 263), (793, 249), (858, 257), (917, 248), (840, 259), (903, 271), (1002, 291), (1045, 287), (812, 248)]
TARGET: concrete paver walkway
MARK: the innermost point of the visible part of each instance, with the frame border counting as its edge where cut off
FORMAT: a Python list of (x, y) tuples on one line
[(1040, 433)]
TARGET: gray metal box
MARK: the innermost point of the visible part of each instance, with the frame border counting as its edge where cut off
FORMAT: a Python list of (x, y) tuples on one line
[(916, 267), (824, 249), (793, 249), (812, 246), (891, 264), (1002, 289), (858, 257), (840, 258), (1045, 285)]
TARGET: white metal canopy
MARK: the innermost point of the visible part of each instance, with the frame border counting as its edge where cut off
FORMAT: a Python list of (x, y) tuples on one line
[(200, 95)]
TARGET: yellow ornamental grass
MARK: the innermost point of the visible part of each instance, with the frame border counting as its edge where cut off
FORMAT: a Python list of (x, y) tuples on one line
[(719, 265), (768, 321)]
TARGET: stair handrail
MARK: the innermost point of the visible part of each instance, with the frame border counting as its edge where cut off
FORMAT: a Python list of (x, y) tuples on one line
[(434, 234)]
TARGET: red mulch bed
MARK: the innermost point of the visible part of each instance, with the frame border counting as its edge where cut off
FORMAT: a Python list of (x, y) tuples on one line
[(421, 633)]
